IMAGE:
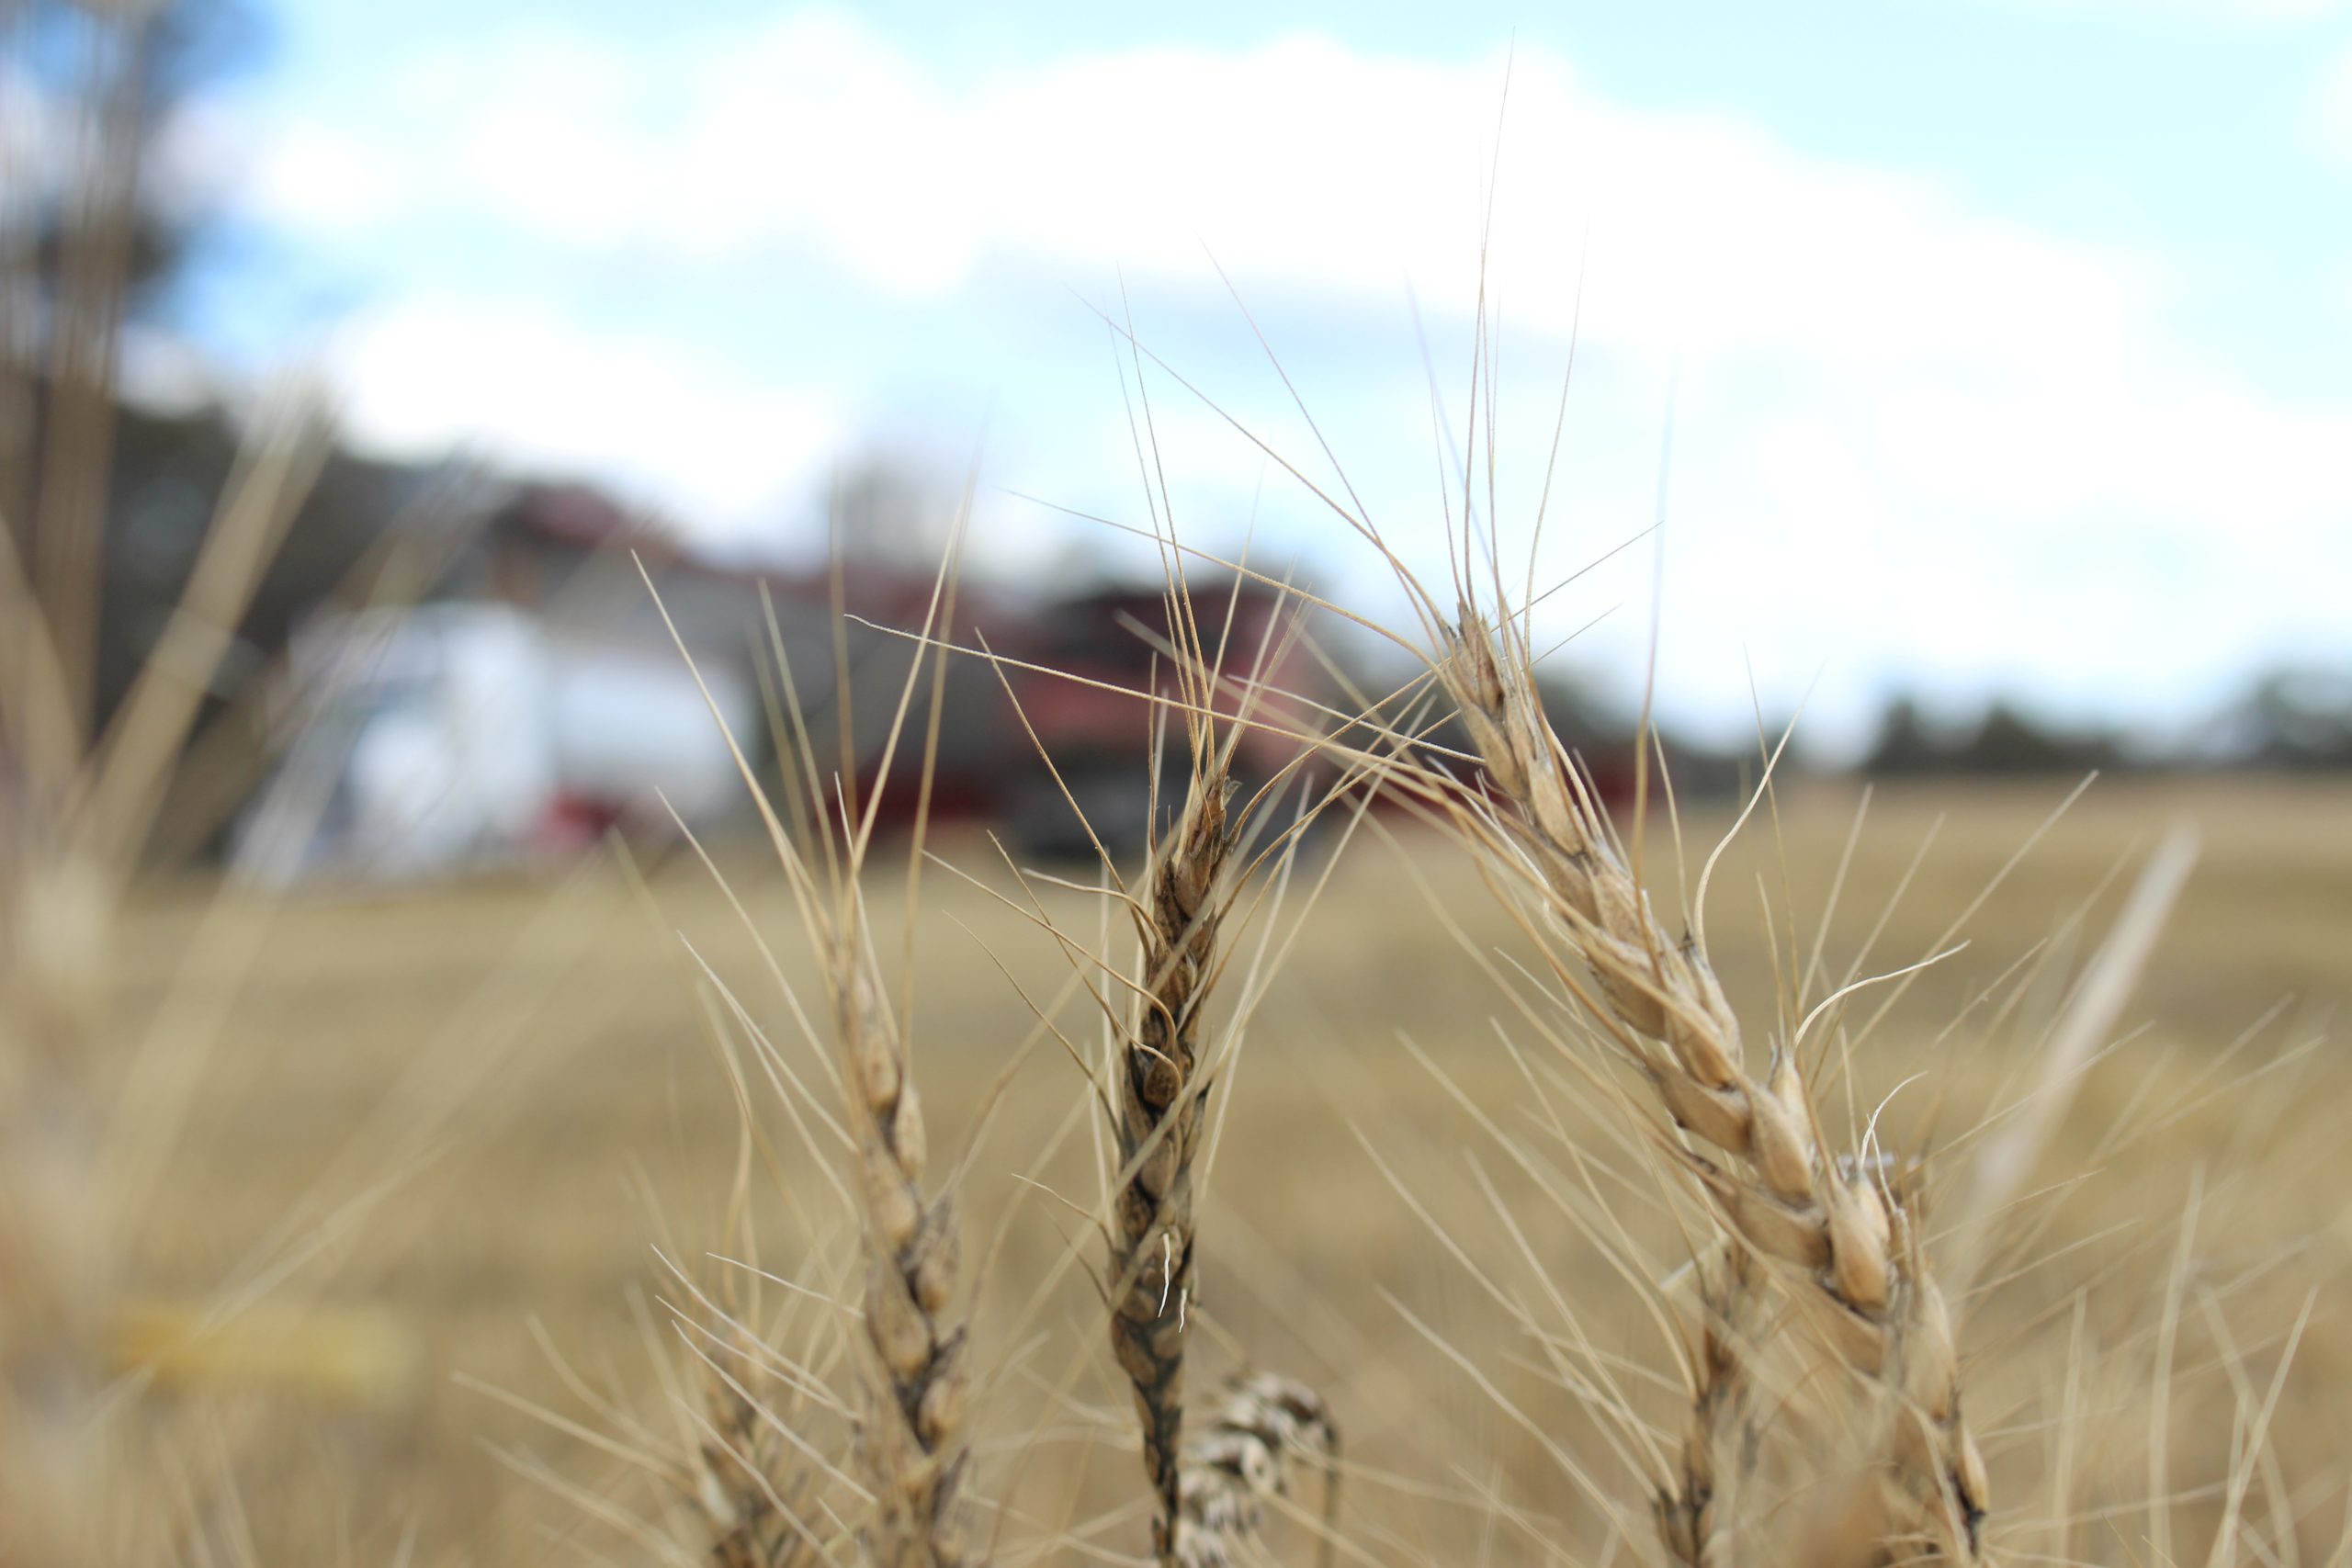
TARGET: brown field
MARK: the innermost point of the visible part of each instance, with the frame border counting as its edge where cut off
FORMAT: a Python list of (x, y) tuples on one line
[(533, 1062)]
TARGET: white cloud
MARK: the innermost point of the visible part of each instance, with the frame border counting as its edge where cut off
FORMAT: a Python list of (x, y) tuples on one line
[(516, 382), (1917, 432), (1301, 162)]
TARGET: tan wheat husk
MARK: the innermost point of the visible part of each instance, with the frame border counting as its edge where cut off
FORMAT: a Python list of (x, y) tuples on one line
[(1831, 1228)]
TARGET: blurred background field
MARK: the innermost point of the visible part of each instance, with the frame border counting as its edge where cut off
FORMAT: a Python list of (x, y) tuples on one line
[(607, 1125)]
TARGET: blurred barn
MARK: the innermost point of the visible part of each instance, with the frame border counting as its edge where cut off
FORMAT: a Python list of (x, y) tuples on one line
[(538, 699)]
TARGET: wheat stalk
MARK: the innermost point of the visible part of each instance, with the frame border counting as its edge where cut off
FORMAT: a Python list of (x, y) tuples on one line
[(1848, 1246)]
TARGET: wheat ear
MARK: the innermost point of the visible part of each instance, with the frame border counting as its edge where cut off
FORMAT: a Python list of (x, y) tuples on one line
[(1851, 1248), (911, 1442), (1160, 1103), (1693, 1510), (749, 1491), (914, 1438), (1243, 1458)]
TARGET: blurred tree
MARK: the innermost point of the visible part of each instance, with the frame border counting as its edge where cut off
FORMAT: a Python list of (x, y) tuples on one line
[(91, 93), (2005, 739), (106, 503), (2008, 741), (88, 236), (2298, 717), (1906, 745), (893, 509)]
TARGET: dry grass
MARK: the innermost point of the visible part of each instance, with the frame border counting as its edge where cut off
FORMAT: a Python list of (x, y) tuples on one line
[(538, 1210)]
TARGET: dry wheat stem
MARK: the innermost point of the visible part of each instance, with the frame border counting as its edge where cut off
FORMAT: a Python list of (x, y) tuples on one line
[(1830, 1223)]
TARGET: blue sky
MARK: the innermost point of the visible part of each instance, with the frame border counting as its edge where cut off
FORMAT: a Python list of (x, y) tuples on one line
[(2007, 338)]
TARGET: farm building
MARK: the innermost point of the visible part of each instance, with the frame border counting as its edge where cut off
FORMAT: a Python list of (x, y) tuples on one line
[(538, 699)]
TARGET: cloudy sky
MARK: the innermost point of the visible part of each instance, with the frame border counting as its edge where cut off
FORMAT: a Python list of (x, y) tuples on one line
[(2007, 343)]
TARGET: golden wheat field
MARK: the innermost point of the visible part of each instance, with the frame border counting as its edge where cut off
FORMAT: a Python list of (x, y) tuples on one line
[(510, 1103)]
